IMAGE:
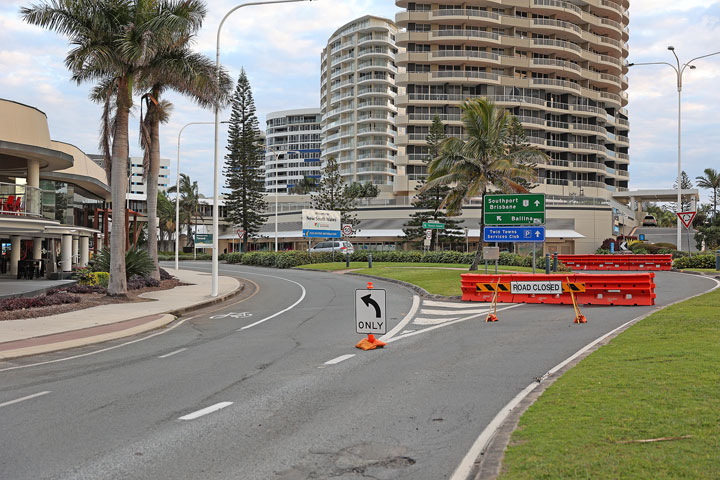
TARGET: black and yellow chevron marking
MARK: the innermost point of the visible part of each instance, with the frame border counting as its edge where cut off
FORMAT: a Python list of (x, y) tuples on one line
[(491, 287), (573, 287)]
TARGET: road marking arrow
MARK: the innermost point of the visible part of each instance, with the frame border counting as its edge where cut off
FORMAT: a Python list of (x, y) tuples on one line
[(367, 300)]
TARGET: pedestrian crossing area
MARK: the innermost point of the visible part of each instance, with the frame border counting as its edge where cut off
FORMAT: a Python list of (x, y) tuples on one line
[(435, 312)]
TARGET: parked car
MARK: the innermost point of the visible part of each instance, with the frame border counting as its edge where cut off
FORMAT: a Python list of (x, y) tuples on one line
[(339, 246), (649, 221)]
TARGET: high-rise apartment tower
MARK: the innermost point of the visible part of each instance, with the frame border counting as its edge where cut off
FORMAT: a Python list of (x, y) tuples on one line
[(559, 66), (292, 148), (357, 99)]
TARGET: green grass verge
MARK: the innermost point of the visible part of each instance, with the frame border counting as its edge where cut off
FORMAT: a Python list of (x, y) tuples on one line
[(335, 266), (703, 270), (435, 280), (658, 379)]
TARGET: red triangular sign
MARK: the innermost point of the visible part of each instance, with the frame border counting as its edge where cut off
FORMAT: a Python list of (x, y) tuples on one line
[(686, 218)]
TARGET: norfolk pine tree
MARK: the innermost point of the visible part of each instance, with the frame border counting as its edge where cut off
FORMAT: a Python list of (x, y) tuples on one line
[(430, 201), (334, 194), (245, 203)]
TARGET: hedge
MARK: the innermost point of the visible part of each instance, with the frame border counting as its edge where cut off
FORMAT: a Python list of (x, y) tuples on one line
[(296, 258), (185, 256), (695, 261)]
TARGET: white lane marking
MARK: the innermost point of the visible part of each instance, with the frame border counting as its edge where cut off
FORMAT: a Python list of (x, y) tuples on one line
[(433, 303), (426, 311), (418, 332), (432, 321), (102, 350), (462, 472), (339, 359), (302, 297), (172, 353), (18, 400), (403, 323), (205, 411)]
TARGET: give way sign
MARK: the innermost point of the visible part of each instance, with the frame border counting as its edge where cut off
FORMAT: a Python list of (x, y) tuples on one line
[(686, 218)]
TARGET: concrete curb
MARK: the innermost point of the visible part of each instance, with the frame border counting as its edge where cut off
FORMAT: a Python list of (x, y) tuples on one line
[(161, 321), (165, 319)]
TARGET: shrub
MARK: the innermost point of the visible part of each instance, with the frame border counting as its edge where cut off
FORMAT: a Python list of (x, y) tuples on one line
[(695, 261), (54, 298), (164, 275), (136, 282), (85, 276), (602, 251), (235, 257), (102, 279), (137, 262)]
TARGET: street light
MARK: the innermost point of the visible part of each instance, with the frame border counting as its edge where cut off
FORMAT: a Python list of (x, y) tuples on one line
[(177, 193), (216, 173), (679, 71), (275, 154)]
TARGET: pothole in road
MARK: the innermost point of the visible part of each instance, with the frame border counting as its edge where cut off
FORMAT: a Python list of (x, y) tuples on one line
[(366, 460)]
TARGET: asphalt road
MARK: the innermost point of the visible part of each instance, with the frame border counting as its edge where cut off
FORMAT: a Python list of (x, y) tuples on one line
[(277, 409)]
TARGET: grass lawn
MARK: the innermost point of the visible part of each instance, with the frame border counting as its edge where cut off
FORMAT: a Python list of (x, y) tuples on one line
[(335, 266), (703, 270), (660, 378), (434, 280)]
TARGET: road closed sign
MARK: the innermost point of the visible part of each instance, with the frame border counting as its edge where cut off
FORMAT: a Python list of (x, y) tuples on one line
[(370, 312), (534, 288)]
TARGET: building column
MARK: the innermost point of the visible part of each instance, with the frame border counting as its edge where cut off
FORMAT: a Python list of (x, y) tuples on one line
[(37, 248), (84, 251), (66, 249), (75, 250), (14, 254), (33, 173)]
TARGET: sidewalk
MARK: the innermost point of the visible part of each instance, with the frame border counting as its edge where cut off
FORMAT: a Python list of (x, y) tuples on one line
[(107, 322)]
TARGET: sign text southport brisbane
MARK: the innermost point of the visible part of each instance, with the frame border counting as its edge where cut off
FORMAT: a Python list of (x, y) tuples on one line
[(514, 209)]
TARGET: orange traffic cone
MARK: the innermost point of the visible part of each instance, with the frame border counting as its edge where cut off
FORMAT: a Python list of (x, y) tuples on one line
[(370, 343)]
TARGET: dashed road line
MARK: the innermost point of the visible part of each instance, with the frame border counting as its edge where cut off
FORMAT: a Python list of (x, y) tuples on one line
[(172, 353), (205, 411), (18, 400), (433, 321), (339, 359)]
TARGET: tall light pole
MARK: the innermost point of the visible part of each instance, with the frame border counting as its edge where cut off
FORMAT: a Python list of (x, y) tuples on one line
[(216, 173), (275, 154), (679, 71), (177, 193)]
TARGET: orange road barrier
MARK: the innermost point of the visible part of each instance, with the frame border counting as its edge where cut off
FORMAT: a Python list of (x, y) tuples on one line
[(579, 288), (618, 262), (370, 343)]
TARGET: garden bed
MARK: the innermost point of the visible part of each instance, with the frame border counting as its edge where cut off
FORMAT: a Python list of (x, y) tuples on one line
[(80, 301)]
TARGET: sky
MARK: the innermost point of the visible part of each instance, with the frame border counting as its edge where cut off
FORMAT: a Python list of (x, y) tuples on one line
[(280, 45)]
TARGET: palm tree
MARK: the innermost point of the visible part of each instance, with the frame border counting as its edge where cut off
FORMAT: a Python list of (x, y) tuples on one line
[(487, 159), (166, 217), (188, 73), (711, 180), (189, 204), (113, 41)]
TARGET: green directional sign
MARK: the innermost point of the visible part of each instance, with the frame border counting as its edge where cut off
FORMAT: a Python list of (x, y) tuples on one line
[(434, 225), (514, 209), (531, 218)]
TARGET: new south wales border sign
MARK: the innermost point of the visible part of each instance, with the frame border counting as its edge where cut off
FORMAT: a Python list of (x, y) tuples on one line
[(514, 209)]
